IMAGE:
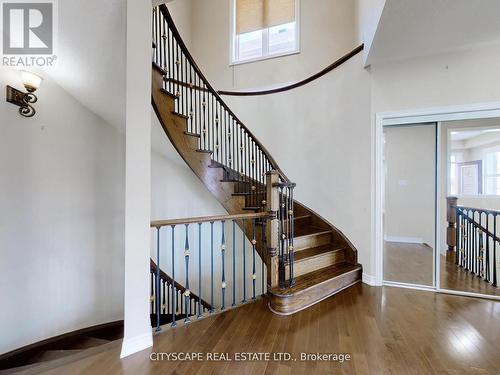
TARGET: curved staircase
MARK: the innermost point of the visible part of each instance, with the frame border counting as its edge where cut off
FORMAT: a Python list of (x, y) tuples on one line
[(314, 259)]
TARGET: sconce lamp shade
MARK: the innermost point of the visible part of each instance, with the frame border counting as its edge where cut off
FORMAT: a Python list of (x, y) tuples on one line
[(31, 81)]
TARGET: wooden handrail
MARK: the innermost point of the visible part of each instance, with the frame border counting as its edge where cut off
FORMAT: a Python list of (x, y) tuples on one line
[(295, 85), (164, 10), (206, 219), (483, 210), (475, 223), (181, 288)]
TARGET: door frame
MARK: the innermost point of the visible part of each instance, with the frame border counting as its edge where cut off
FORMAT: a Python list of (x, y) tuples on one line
[(415, 116)]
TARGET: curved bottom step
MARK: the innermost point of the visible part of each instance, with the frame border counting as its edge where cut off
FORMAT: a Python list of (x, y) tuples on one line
[(314, 287)]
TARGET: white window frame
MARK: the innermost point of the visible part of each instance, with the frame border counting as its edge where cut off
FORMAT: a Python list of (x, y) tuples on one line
[(233, 47)]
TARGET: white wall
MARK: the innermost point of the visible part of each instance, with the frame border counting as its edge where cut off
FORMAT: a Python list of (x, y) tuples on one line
[(137, 328), (368, 13), (328, 31), (61, 228)]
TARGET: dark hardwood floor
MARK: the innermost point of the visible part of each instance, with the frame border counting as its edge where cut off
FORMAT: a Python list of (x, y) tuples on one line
[(385, 330), (408, 263), (412, 263), (457, 278)]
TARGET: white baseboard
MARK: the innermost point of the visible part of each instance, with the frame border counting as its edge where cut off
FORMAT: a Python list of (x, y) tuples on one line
[(403, 239), (136, 344), (370, 280)]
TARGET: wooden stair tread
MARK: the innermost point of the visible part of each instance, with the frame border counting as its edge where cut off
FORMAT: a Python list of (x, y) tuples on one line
[(168, 93), (192, 134), (316, 251), (205, 151), (312, 279), (180, 115), (310, 231)]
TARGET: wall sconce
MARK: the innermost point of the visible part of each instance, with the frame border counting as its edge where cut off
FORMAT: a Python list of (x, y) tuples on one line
[(24, 100)]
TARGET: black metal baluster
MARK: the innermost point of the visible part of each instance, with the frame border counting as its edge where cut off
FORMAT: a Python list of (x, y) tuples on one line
[(234, 264), (168, 298), (467, 239), (227, 133), (152, 295), (217, 141), (223, 251), (187, 293), (254, 276), (263, 239), (163, 53), (157, 295), (204, 130), (229, 140), (191, 111), (244, 262), (199, 271), (487, 260), (212, 267), (155, 33), (240, 177), (291, 235), (281, 260), (164, 299), (167, 56), (174, 291), (184, 85), (495, 249), (457, 236)]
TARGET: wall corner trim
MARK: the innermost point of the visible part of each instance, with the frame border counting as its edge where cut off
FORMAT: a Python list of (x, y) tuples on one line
[(136, 344), (370, 280)]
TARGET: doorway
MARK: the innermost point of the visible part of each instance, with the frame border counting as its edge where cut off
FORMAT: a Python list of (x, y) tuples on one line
[(447, 167)]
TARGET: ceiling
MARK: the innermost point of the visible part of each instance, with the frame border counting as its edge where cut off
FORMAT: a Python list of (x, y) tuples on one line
[(91, 56), (411, 28)]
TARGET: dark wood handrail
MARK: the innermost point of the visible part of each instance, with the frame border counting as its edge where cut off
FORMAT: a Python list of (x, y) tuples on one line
[(303, 82), (181, 288), (483, 210), (206, 219), (185, 51), (476, 224)]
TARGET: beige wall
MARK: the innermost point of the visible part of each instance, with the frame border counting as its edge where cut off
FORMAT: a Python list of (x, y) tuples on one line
[(409, 166), (328, 31), (61, 228)]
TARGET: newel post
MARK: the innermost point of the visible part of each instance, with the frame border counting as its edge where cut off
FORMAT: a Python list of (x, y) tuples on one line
[(272, 227), (451, 230)]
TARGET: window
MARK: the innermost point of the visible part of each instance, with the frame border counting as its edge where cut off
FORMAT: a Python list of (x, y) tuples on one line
[(492, 173), (264, 28)]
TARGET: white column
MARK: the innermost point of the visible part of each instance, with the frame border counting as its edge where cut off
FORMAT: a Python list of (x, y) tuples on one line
[(138, 333)]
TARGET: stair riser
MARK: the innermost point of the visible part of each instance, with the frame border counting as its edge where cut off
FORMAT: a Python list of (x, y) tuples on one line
[(314, 240), (315, 263), (286, 305)]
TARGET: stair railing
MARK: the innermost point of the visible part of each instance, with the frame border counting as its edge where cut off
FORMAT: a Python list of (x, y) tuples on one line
[(226, 268), (473, 239), (230, 143), (161, 305)]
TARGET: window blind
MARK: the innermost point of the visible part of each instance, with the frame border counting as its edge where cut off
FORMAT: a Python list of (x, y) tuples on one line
[(252, 15)]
